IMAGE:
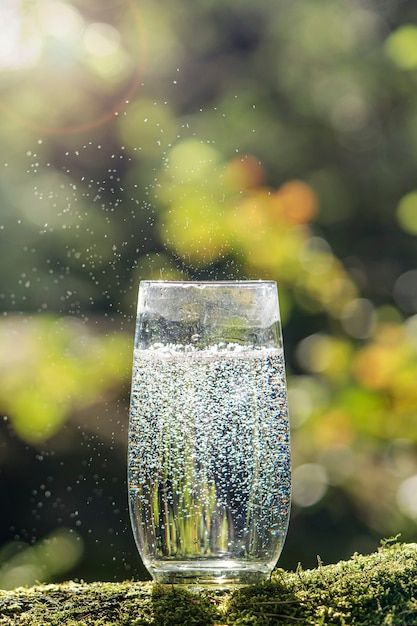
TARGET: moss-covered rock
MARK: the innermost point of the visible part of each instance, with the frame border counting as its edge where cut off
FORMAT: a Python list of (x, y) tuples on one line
[(379, 589)]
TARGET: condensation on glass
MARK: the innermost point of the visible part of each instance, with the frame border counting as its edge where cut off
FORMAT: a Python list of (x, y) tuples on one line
[(209, 451)]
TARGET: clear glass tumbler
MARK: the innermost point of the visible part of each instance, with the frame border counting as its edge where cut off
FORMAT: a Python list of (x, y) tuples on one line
[(209, 454)]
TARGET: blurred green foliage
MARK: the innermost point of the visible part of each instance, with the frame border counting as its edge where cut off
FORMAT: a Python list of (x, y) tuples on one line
[(68, 368), (154, 140), (21, 564)]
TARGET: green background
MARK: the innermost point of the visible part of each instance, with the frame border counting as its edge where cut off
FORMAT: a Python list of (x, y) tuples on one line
[(145, 139)]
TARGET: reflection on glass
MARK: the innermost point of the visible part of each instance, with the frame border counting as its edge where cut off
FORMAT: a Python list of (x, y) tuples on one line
[(209, 456)]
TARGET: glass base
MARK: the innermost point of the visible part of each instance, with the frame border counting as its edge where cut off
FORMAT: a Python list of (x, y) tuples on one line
[(218, 572)]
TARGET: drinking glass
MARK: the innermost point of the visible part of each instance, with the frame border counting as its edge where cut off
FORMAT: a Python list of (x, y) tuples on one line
[(209, 454)]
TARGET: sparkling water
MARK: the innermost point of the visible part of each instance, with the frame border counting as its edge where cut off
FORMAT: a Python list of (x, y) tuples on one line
[(209, 461)]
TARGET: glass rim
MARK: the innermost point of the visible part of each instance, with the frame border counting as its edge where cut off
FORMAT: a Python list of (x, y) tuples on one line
[(209, 283)]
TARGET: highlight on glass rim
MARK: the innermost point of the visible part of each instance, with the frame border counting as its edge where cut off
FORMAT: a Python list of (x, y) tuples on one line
[(208, 221)]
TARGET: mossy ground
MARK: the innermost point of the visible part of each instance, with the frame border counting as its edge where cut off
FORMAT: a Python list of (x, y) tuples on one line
[(379, 589)]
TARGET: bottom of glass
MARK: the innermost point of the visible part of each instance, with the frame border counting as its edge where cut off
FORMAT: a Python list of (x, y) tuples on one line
[(218, 572)]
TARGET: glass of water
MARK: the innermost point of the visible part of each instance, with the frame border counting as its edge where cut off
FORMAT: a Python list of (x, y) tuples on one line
[(209, 453)]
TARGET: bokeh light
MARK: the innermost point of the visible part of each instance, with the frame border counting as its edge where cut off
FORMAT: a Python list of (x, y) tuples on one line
[(359, 318), (147, 140), (401, 47), (22, 564), (309, 484), (405, 291), (407, 213), (72, 59), (407, 497)]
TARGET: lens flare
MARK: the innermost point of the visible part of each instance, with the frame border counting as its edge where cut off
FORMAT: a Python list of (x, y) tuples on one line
[(67, 54)]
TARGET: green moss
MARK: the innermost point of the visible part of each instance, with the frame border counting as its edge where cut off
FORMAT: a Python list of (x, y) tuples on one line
[(176, 607), (365, 591), (379, 589)]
